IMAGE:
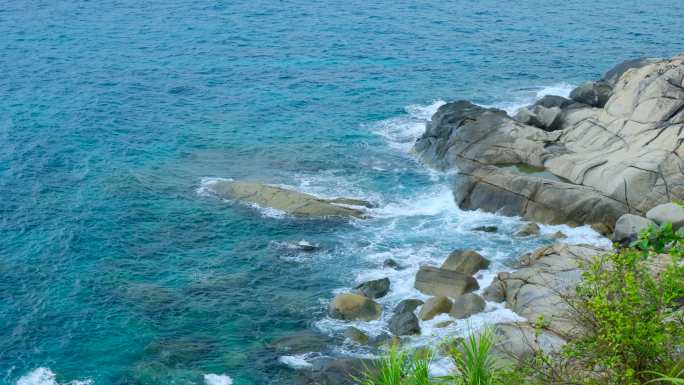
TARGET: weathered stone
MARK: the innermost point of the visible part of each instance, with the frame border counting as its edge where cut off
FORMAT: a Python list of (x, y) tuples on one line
[(519, 341), (466, 305), (667, 213), (435, 281), (352, 202), (356, 335), (376, 288), (527, 230), (595, 94), (434, 307), (301, 342), (625, 157), (391, 263), (496, 292), (407, 306), (467, 262), (354, 307), (486, 229), (404, 324), (550, 101), (628, 227), (558, 235), (289, 201), (548, 119)]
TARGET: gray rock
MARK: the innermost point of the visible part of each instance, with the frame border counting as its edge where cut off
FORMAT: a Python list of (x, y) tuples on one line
[(595, 94), (352, 202), (628, 227), (339, 371), (377, 288), (496, 292), (407, 306), (467, 262), (289, 201), (625, 157), (434, 307), (404, 324), (558, 235), (356, 335), (391, 263), (667, 213), (548, 119), (527, 230), (301, 342), (486, 229), (349, 306), (519, 341), (611, 77), (550, 101), (435, 281), (467, 305)]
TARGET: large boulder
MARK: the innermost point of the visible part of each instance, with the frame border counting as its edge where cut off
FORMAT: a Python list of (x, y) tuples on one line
[(467, 262), (467, 305), (289, 201), (628, 227), (548, 119), (619, 153), (543, 284), (376, 288), (350, 306), (404, 324), (595, 94), (356, 335), (517, 342), (434, 307), (667, 213), (441, 282)]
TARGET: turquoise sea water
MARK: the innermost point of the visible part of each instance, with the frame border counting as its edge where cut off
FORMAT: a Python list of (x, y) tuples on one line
[(116, 264)]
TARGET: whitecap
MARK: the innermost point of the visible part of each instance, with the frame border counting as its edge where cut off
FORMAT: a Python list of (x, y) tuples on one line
[(528, 97), (295, 362), (217, 379), (401, 132), (45, 376)]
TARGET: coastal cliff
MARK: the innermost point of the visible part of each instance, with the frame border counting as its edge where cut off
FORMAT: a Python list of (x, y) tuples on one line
[(614, 148)]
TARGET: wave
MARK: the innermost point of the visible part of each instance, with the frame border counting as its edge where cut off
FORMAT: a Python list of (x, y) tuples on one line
[(217, 379), (45, 376), (524, 98), (401, 132)]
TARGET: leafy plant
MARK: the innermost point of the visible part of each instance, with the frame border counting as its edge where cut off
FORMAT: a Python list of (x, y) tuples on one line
[(629, 309), (474, 360)]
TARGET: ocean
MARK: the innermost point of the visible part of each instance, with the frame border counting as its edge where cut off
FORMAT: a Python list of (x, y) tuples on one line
[(117, 264)]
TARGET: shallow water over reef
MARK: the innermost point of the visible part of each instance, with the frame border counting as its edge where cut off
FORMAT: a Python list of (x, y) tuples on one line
[(116, 266)]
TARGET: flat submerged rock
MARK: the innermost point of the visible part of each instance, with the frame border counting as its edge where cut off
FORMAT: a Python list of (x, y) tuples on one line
[(289, 201)]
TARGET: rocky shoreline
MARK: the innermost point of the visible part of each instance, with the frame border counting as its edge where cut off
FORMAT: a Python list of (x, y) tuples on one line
[(611, 157)]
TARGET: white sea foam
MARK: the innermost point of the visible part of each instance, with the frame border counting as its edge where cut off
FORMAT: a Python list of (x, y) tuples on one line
[(45, 376), (217, 379), (296, 362), (402, 131), (207, 183), (527, 97)]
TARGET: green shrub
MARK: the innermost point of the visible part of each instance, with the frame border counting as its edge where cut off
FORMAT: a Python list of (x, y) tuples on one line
[(628, 306)]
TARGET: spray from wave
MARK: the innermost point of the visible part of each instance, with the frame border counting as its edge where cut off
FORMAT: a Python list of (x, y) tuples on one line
[(45, 376)]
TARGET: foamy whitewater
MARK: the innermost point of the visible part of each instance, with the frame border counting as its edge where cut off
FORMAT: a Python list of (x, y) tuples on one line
[(418, 230)]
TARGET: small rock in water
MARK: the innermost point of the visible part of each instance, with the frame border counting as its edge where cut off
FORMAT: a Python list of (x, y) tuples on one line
[(435, 281), (486, 229), (306, 246), (467, 262), (404, 324), (356, 335), (391, 263), (434, 307), (374, 289), (467, 305), (527, 230), (348, 306), (558, 235), (407, 306), (444, 324)]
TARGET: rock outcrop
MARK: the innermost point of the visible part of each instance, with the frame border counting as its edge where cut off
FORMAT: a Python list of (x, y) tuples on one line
[(540, 287), (291, 202), (617, 149), (466, 262)]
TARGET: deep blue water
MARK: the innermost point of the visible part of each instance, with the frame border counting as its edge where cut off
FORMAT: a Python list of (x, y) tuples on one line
[(118, 268)]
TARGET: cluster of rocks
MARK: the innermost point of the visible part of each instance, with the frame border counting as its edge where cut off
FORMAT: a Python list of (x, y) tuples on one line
[(629, 226), (613, 148)]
